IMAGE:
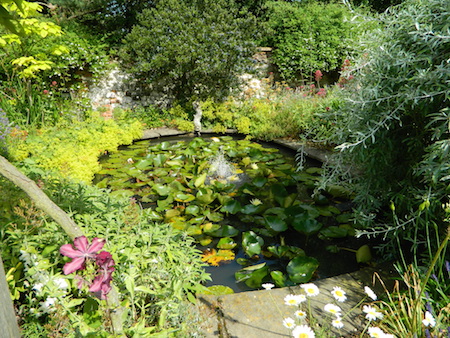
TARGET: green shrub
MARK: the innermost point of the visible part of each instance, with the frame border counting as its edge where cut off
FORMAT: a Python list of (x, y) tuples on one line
[(394, 124), (192, 49), (73, 150), (309, 36)]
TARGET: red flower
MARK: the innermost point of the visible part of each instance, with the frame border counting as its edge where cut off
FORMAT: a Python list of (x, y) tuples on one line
[(318, 75), (83, 250), (45, 91)]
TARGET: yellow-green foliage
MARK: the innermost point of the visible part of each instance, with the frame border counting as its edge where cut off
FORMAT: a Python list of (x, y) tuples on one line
[(73, 150), (184, 125), (217, 115), (243, 125)]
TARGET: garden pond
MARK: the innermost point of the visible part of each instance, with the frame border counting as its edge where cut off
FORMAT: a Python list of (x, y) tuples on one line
[(254, 217)]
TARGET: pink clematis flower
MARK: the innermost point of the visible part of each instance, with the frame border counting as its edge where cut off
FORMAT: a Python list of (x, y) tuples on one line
[(83, 250), (102, 282)]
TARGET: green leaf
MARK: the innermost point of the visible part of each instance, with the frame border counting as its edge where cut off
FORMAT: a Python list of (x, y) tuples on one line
[(301, 269), (200, 181), (252, 276), (232, 207), (225, 231), (192, 209), (275, 223), (334, 232), (279, 278), (181, 197), (363, 254), (306, 225), (226, 243), (251, 243), (161, 189)]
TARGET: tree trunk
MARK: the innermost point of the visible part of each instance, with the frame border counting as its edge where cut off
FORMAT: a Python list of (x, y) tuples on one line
[(8, 322), (43, 202)]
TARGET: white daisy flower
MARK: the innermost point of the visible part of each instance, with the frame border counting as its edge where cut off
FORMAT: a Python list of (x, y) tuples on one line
[(331, 308), (372, 313), (370, 293), (289, 323), (300, 314), (294, 300), (339, 294), (311, 290), (337, 323), (267, 286), (303, 331), (376, 332), (429, 319)]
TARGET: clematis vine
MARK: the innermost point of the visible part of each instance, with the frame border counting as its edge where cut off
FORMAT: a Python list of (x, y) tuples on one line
[(82, 253)]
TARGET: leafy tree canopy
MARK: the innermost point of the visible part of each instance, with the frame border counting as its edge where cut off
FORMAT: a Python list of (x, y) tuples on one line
[(110, 19), (196, 47)]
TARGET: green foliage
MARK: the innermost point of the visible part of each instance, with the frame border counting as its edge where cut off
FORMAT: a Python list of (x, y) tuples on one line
[(193, 49), (394, 126), (73, 152), (42, 67), (309, 36), (157, 267), (110, 20)]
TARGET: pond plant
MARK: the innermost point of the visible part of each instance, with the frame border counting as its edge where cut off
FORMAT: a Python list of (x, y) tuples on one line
[(230, 194)]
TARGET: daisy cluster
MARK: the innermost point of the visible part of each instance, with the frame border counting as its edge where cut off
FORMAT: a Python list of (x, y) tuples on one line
[(299, 324)]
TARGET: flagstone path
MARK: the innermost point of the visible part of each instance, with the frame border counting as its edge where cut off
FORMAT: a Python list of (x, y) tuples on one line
[(260, 314)]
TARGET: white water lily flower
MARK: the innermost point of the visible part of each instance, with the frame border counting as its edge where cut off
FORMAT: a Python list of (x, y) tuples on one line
[(311, 289), (370, 293), (130, 160), (289, 323), (294, 300), (267, 286), (215, 139), (254, 166), (331, 308), (429, 319), (303, 331), (256, 202), (337, 323), (372, 313), (339, 294)]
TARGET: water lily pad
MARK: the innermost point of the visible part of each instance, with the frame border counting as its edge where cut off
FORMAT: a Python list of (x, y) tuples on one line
[(224, 231), (275, 223), (252, 276), (279, 278), (306, 225), (334, 232), (251, 243), (301, 268), (251, 209), (194, 230), (232, 207), (200, 181), (259, 181), (161, 189), (226, 243), (192, 210), (285, 251), (205, 196), (181, 197)]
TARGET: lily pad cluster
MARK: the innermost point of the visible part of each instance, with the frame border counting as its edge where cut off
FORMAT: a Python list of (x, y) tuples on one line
[(260, 203)]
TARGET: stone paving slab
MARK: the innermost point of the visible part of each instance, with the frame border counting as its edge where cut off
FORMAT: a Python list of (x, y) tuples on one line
[(259, 314)]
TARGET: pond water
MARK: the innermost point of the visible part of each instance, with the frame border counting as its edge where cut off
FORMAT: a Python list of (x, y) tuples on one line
[(254, 216)]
